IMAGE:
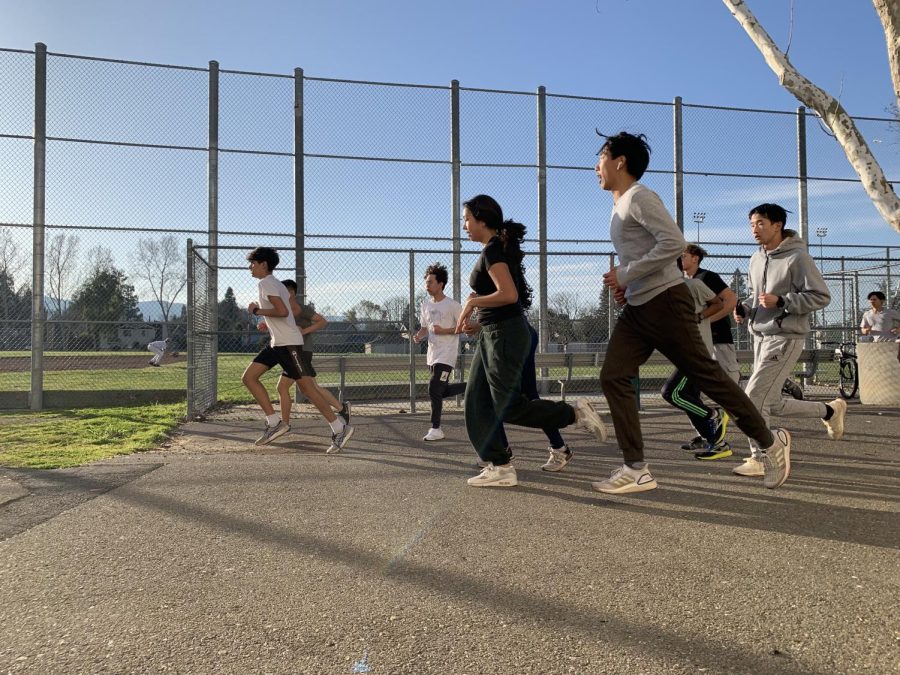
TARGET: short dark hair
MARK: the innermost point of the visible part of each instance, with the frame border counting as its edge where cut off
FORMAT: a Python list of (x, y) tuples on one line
[(877, 294), (773, 212), (290, 284), (635, 149), (696, 250), (439, 272), (266, 255)]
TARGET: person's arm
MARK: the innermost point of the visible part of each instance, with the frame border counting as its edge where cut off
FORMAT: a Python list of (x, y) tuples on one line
[(728, 301), (279, 309), (506, 294), (864, 326), (318, 323), (814, 294), (713, 308), (648, 210)]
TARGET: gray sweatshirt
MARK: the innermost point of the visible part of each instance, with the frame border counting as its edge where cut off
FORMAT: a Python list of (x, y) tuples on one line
[(788, 271), (648, 242)]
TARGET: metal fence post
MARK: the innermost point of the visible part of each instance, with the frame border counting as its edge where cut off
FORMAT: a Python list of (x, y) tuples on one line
[(802, 194), (679, 163), (888, 291), (544, 328), (455, 192), (37, 247), (213, 219), (844, 319), (299, 187), (411, 329), (191, 329)]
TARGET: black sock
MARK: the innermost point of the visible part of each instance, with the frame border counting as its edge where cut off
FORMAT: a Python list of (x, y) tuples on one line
[(829, 413)]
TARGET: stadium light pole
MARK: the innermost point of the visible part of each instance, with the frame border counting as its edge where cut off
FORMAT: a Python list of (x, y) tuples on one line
[(699, 217), (821, 233)]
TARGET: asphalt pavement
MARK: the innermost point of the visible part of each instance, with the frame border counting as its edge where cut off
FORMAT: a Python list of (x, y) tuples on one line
[(211, 555)]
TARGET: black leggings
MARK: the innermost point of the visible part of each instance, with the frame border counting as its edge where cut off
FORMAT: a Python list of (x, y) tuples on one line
[(439, 388)]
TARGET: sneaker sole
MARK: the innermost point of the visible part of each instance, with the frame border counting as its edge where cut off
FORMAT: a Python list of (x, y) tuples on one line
[(556, 467), (633, 487), (832, 434), (718, 455), (506, 482), (266, 441), (597, 425), (431, 440), (749, 475)]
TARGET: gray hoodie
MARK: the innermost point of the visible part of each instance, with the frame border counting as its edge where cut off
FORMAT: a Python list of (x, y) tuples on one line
[(790, 272)]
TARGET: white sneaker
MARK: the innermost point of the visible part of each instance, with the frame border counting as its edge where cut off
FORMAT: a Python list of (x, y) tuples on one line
[(338, 441), (495, 476), (273, 432), (558, 459), (433, 435), (777, 460), (751, 467), (835, 425), (625, 479), (588, 419)]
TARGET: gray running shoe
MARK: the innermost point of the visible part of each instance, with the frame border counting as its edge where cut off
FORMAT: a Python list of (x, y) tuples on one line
[(338, 441), (558, 459), (271, 433)]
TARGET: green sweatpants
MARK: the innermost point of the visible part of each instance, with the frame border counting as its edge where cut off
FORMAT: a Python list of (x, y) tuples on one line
[(494, 391)]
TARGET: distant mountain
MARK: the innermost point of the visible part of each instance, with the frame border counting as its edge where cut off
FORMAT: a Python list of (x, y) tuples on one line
[(152, 312)]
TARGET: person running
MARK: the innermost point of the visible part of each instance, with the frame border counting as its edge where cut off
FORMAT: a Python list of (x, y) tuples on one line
[(880, 324), (785, 287), (494, 389), (437, 318), (683, 393), (159, 351), (659, 314), (309, 321), (284, 350)]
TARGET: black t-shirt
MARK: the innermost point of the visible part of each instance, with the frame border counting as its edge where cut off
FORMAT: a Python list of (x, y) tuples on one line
[(482, 284), (721, 328)]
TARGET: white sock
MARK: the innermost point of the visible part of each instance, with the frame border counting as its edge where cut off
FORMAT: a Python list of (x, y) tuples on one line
[(338, 425), (273, 419)]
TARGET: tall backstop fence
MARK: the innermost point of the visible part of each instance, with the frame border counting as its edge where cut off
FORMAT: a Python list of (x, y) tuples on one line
[(111, 166)]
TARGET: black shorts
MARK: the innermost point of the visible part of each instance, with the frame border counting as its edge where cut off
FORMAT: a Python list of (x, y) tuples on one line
[(290, 358), (306, 362)]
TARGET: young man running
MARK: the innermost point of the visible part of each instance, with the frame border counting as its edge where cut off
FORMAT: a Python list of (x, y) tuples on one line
[(659, 314), (785, 287), (284, 350), (437, 318)]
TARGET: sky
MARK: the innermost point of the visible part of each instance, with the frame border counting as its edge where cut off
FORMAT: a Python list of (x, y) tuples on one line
[(635, 49), (648, 50)]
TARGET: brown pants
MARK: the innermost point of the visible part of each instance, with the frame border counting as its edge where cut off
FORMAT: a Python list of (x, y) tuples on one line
[(668, 324)]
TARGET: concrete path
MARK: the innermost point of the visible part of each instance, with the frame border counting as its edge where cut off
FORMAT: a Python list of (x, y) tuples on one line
[(213, 556)]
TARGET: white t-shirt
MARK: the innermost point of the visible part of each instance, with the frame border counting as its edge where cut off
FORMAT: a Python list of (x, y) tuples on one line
[(441, 348), (283, 329), (881, 324)]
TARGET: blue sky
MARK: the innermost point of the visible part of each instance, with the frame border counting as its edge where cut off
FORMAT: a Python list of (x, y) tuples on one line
[(639, 49), (624, 49)]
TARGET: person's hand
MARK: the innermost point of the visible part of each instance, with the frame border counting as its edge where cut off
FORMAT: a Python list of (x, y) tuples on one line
[(464, 316), (262, 325), (252, 307), (611, 278), (768, 300), (417, 337), (619, 296)]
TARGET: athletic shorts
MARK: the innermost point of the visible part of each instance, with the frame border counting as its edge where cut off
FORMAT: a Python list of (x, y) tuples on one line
[(306, 362), (289, 358)]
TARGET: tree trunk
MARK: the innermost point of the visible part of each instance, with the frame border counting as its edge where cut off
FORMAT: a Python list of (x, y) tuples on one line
[(870, 173)]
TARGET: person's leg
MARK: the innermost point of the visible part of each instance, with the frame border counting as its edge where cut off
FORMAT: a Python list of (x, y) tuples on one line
[(530, 390), (682, 393), (250, 378), (330, 398), (482, 423), (437, 386), (727, 358), (284, 398), (628, 348)]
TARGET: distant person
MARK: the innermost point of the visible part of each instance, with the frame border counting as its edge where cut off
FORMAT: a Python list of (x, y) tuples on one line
[(159, 351), (659, 314), (437, 317), (785, 287), (284, 350), (881, 324), (309, 321)]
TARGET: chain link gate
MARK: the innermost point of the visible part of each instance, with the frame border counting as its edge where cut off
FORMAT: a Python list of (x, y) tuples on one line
[(201, 333)]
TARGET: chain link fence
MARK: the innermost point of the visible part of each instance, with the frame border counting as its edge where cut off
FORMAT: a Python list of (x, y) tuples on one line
[(111, 166)]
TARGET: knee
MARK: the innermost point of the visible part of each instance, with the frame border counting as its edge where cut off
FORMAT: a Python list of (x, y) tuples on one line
[(435, 389), (248, 379)]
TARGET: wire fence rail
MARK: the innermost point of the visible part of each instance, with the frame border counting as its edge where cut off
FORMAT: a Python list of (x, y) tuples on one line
[(111, 165)]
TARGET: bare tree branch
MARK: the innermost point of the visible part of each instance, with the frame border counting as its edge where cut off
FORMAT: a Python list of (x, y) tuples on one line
[(59, 266), (870, 173), (159, 264), (889, 13)]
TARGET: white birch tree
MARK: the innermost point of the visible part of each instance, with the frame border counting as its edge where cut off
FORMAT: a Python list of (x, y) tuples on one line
[(832, 113)]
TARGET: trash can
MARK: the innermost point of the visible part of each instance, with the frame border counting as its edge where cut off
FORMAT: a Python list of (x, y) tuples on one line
[(879, 373)]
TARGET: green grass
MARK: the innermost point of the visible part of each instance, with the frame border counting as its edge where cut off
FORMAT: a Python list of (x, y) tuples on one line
[(67, 438)]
